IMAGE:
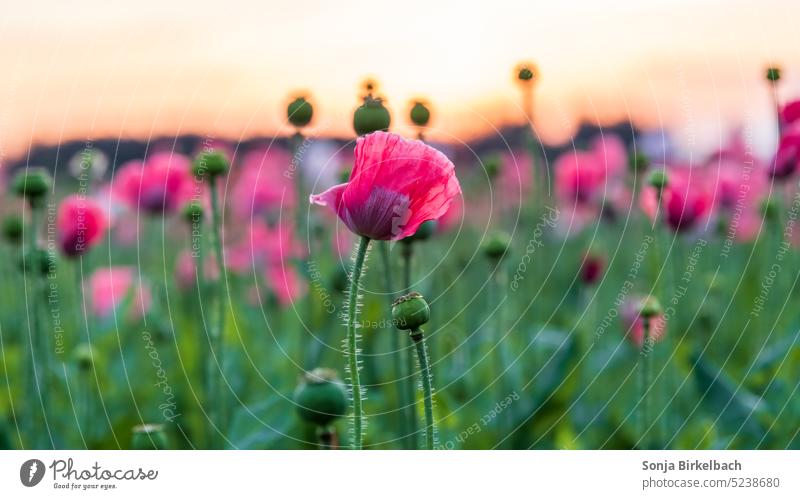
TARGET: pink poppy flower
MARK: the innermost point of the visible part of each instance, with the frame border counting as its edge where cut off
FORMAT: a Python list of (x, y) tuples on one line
[(186, 270), (790, 112), (633, 324), (80, 224), (263, 186), (262, 246), (396, 185), (111, 286), (579, 177), (787, 157), (592, 268), (686, 201), (284, 283), (611, 153), (159, 185)]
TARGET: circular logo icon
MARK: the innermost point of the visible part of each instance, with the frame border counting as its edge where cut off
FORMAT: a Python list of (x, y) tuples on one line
[(31, 472)]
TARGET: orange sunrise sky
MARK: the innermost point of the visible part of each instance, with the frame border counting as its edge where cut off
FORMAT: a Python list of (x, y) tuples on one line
[(95, 69)]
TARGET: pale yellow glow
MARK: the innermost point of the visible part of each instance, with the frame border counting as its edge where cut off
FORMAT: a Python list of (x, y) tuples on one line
[(144, 69)]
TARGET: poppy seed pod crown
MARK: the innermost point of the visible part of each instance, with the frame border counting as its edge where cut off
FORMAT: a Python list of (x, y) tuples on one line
[(211, 163), (410, 312), (32, 184), (420, 115), (371, 116), (300, 112), (321, 397)]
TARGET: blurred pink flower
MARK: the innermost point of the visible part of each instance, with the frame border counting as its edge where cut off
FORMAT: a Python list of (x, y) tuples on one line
[(395, 186), (284, 283), (186, 266), (453, 217), (161, 184), (111, 286), (790, 112), (787, 156), (262, 247), (262, 186), (686, 201), (80, 223)]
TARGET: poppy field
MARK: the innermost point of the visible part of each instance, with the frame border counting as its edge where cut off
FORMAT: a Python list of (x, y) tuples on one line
[(395, 290)]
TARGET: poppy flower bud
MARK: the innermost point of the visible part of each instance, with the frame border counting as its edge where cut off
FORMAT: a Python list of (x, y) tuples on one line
[(32, 184), (192, 212), (650, 307), (84, 355), (371, 116), (658, 179), (37, 260), (321, 397), (211, 163), (300, 112), (423, 233), (149, 437), (592, 268), (420, 115), (13, 228), (773, 74), (410, 312), (496, 246)]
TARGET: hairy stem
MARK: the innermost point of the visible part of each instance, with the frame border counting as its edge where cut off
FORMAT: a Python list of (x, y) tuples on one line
[(644, 409), (352, 343), (408, 358), (427, 387)]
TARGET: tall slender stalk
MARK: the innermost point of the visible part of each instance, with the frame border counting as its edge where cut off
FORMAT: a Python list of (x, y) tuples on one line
[(352, 342), (407, 356), (644, 373), (427, 387), (397, 354), (218, 407)]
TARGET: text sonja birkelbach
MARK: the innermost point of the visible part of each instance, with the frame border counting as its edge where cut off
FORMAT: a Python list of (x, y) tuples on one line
[(666, 465), (67, 474)]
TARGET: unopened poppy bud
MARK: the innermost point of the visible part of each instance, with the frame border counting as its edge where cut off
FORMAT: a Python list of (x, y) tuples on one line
[(371, 116), (658, 179), (496, 246), (192, 212), (13, 228), (420, 115), (149, 437), (32, 184), (423, 233), (650, 307), (410, 311), (211, 163), (321, 397), (773, 74), (592, 268), (37, 260), (84, 356), (300, 112)]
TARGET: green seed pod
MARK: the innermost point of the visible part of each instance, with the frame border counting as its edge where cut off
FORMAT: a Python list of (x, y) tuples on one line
[(37, 260), (658, 179), (423, 233), (321, 397), (149, 437), (300, 112), (496, 245), (773, 74), (420, 115), (13, 227), (32, 184), (84, 356), (211, 163), (638, 163), (650, 307), (525, 73), (192, 212), (492, 165), (410, 311), (371, 116)]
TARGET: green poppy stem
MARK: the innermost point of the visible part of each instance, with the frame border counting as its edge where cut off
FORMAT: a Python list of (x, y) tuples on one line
[(427, 387), (408, 357), (644, 373), (218, 406), (352, 342)]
